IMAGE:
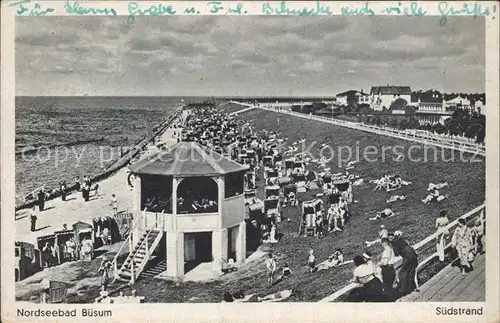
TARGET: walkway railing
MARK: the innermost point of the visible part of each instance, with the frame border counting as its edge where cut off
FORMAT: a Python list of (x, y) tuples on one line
[(423, 248), (408, 135)]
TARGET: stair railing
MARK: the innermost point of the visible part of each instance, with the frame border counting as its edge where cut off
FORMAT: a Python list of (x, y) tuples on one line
[(128, 241), (146, 259)]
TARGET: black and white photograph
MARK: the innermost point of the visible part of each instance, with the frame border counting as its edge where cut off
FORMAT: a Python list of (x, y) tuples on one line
[(250, 159)]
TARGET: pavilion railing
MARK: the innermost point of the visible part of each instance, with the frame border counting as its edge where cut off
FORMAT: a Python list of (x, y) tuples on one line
[(423, 248)]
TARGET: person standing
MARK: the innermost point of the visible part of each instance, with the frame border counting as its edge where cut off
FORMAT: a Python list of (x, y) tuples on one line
[(407, 273), (33, 218), (387, 265), (441, 224), (105, 278), (311, 261), (63, 188), (478, 244), (85, 192), (78, 184), (114, 204), (462, 242), (41, 200), (271, 269)]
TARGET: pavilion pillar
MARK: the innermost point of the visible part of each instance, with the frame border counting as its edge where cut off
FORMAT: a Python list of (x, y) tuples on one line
[(175, 254), (241, 243), (219, 247), (220, 193), (136, 211)]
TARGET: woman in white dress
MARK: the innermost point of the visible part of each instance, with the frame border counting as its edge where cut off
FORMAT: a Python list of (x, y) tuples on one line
[(441, 223)]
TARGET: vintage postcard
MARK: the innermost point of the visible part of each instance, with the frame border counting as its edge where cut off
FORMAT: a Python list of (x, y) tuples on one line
[(312, 161)]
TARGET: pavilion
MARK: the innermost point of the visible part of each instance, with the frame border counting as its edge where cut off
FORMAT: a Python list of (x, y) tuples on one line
[(194, 197)]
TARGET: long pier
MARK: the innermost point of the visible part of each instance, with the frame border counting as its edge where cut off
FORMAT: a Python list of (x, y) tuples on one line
[(423, 138)]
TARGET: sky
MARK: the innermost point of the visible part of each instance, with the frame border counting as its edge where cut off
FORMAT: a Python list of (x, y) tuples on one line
[(245, 56)]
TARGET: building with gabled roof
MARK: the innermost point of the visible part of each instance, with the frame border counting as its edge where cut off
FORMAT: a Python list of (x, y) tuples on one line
[(381, 97)]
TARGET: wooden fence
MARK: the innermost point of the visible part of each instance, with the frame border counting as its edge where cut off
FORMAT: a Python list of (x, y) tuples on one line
[(425, 138)]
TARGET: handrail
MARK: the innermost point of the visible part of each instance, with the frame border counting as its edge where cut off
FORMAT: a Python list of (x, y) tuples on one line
[(129, 240), (132, 265), (416, 246)]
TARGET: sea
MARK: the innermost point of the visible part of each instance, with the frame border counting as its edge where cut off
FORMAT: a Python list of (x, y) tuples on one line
[(59, 138)]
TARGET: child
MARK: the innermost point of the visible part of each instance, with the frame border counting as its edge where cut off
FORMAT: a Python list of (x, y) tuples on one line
[(271, 269), (114, 204), (319, 227), (311, 262)]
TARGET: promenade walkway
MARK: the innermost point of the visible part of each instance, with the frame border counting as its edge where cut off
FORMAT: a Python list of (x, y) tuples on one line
[(449, 285), (412, 136), (58, 212)]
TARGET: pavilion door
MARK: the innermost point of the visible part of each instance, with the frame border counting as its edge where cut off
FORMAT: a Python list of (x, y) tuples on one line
[(189, 247), (203, 246)]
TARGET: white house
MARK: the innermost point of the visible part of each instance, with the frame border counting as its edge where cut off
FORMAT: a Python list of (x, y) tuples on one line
[(458, 102), (430, 107), (359, 97), (382, 96)]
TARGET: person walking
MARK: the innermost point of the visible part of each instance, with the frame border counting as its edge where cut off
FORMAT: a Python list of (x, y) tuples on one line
[(463, 244), (271, 269), (33, 218), (41, 200)]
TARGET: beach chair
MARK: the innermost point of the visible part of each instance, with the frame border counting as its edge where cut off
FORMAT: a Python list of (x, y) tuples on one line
[(58, 292)]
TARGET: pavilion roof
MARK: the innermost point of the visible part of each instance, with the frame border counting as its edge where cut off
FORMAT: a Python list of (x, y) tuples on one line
[(186, 159)]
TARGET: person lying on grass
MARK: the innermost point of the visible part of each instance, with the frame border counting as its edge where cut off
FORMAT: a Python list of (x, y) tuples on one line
[(434, 196), (335, 260), (437, 186), (276, 297), (285, 273), (385, 214), (396, 198)]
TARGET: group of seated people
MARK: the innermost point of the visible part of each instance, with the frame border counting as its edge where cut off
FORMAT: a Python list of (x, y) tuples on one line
[(203, 205)]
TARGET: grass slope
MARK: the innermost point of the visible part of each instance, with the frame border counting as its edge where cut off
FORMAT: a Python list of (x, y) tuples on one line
[(466, 188)]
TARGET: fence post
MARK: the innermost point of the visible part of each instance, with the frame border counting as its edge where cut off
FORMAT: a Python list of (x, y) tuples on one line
[(115, 269), (132, 274)]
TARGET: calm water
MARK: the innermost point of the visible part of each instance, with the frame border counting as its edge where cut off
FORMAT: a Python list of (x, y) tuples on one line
[(63, 137)]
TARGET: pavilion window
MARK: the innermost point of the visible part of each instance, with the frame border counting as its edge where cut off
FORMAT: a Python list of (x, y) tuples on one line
[(234, 184), (197, 195), (156, 193)]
